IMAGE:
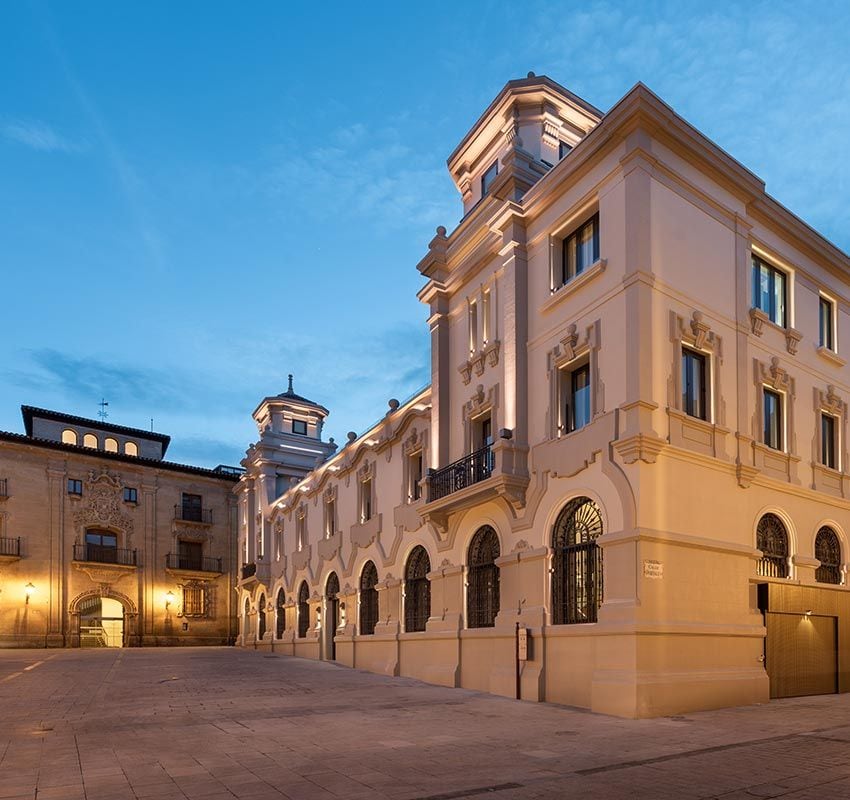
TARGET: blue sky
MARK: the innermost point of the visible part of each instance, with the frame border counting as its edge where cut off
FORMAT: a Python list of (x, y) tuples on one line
[(198, 198)]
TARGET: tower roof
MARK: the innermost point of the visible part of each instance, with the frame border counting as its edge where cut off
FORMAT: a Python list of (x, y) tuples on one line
[(290, 394)]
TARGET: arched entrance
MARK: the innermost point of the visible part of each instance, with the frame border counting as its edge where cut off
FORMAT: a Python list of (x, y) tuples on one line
[(105, 619), (331, 617)]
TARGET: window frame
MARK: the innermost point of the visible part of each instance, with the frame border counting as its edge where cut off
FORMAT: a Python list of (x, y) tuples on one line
[(687, 400), (758, 265), (827, 332), (487, 178), (829, 457), (131, 495), (780, 427), (299, 423), (74, 487), (574, 236), (564, 149)]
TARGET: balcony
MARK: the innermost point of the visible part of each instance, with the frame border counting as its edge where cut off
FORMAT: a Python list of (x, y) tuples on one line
[(10, 550), (200, 516), (254, 573), (498, 471), (193, 566), (475, 467), (100, 554)]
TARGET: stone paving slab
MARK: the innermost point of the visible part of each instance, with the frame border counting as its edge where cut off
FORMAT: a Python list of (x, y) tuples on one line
[(216, 723)]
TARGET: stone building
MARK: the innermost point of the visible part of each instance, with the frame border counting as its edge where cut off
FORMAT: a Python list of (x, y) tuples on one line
[(105, 543), (630, 466)]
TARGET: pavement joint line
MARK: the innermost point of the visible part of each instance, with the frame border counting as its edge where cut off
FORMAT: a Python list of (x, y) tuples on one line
[(705, 750)]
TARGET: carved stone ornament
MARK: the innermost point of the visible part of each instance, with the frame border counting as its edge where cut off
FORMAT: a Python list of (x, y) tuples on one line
[(330, 493), (569, 342), (492, 352), (412, 443), (478, 364), (479, 401), (757, 320), (830, 401), (446, 562), (700, 329), (366, 471), (465, 371), (102, 505), (551, 132), (775, 376), (520, 545), (793, 338)]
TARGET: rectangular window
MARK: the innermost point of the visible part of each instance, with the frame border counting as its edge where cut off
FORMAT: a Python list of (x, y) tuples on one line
[(75, 486), (194, 604), (330, 513), (770, 287), (190, 555), (366, 500), (563, 149), (693, 384), (131, 495), (301, 532), (488, 177), (277, 538), (827, 324), (575, 393), (773, 419), (191, 507), (485, 317), (473, 327), (828, 449), (482, 432), (299, 426), (415, 471), (581, 249)]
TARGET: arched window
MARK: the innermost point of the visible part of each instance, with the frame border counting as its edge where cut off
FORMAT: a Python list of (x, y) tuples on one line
[(417, 590), (69, 437), (110, 445), (261, 617), (131, 448), (828, 552), (368, 599), (482, 596), (280, 619), (331, 592), (303, 610), (772, 540), (90, 440), (576, 563)]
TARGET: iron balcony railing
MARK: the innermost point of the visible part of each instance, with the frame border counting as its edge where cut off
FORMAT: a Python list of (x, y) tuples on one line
[(475, 467), (101, 554), (194, 563), (249, 570), (10, 547), (193, 514), (4, 487)]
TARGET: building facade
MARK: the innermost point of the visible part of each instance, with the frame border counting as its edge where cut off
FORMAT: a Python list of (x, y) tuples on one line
[(105, 543), (630, 465)]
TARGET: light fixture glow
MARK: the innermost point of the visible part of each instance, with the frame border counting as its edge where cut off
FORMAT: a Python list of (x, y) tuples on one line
[(29, 590), (169, 599)]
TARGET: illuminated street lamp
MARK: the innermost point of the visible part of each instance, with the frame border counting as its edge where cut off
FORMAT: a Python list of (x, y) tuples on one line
[(169, 599), (28, 590)]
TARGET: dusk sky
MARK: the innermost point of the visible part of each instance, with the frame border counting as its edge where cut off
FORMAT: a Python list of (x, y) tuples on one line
[(199, 198)]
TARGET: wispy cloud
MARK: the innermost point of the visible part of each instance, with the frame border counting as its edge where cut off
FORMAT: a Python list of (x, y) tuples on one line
[(363, 172), (38, 136)]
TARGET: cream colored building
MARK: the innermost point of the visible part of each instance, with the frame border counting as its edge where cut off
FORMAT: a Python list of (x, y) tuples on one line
[(105, 543), (633, 446)]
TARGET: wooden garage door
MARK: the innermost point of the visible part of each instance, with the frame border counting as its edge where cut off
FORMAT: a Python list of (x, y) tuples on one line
[(802, 656)]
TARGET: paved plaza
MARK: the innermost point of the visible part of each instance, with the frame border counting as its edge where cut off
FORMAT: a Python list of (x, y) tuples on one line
[(218, 723)]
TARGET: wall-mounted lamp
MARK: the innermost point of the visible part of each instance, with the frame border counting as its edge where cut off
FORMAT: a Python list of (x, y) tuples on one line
[(29, 589), (169, 599), (809, 612)]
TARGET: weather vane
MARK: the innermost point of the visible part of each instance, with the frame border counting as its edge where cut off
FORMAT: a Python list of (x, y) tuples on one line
[(103, 413)]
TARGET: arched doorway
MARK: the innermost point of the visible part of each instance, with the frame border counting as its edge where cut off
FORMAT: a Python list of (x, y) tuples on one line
[(331, 620), (105, 619)]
